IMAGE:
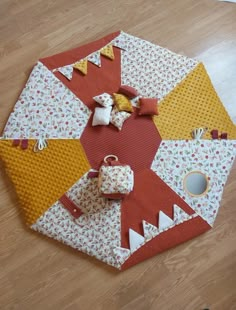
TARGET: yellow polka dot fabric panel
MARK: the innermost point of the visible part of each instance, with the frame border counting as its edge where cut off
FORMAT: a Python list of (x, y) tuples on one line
[(41, 178), (193, 104)]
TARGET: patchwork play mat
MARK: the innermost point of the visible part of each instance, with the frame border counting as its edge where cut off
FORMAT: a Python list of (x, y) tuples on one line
[(152, 110)]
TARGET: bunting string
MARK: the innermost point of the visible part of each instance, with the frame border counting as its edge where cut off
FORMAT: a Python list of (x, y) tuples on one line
[(94, 58)]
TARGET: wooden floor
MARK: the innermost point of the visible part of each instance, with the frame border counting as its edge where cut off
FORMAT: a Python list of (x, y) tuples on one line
[(38, 273)]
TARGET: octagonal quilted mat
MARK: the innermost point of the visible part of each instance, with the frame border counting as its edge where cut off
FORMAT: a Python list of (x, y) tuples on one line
[(50, 150)]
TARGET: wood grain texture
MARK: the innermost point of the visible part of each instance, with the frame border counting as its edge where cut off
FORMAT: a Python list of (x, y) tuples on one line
[(39, 273)]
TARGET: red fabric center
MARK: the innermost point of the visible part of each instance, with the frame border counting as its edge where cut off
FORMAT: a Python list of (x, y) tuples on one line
[(136, 144)]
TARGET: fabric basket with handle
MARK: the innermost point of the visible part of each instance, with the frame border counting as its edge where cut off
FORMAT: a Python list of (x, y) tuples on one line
[(115, 180)]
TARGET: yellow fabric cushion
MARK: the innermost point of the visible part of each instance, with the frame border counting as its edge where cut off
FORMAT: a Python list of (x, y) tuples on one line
[(122, 103), (193, 104), (40, 179)]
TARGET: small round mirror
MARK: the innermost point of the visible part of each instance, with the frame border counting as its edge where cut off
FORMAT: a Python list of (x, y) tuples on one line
[(196, 183)]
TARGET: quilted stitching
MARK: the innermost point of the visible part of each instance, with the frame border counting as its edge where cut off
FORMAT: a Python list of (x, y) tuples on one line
[(41, 178)]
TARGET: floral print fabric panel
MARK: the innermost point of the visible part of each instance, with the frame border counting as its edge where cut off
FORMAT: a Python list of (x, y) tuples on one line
[(153, 70), (175, 159), (95, 234), (106, 221), (46, 108), (86, 196)]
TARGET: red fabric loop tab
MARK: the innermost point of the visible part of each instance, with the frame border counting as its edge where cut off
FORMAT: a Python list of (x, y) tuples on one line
[(71, 206), (224, 135), (16, 142), (24, 144), (214, 134), (92, 174)]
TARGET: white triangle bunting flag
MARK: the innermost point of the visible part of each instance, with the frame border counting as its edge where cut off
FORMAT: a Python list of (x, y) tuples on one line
[(180, 215), (165, 221), (121, 255), (150, 231), (135, 240), (120, 42), (95, 58), (67, 71)]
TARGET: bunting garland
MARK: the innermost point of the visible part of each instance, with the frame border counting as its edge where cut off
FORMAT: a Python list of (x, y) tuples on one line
[(81, 66), (165, 221), (120, 43), (151, 231), (67, 71), (107, 51), (94, 58)]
